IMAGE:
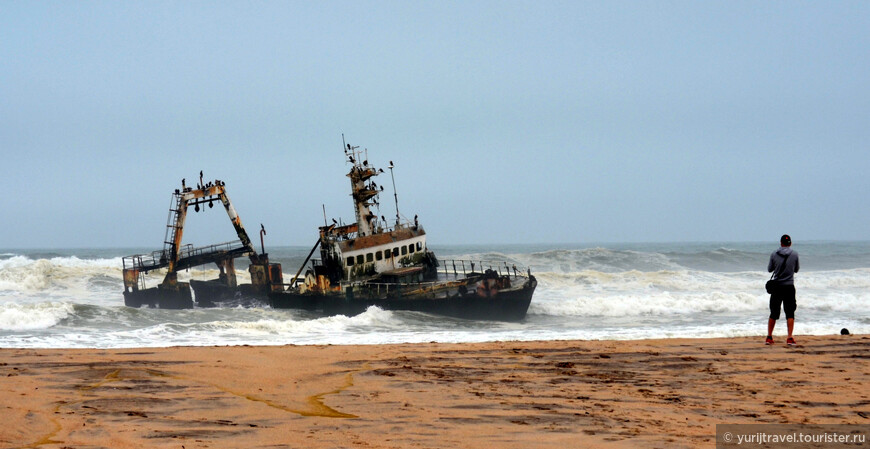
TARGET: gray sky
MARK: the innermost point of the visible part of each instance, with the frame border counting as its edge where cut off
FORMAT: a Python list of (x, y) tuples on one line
[(508, 122)]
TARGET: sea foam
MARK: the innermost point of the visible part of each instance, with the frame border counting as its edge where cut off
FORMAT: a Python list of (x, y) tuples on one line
[(17, 317), (636, 293), (20, 273)]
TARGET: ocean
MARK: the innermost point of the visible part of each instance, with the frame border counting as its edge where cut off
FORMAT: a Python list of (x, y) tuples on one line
[(73, 298)]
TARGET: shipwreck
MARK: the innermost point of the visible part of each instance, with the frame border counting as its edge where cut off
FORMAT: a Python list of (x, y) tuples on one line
[(175, 257), (388, 264), (371, 262)]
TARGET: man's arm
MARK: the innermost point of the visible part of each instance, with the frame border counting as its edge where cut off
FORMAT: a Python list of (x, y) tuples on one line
[(797, 263), (771, 265)]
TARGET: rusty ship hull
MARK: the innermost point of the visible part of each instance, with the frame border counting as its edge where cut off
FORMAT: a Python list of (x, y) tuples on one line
[(177, 297), (504, 305)]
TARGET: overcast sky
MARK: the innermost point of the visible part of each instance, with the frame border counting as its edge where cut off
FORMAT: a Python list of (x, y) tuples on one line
[(508, 121)]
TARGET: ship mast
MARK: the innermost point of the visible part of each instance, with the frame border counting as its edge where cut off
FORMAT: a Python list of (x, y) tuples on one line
[(362, 190), (395, 194)]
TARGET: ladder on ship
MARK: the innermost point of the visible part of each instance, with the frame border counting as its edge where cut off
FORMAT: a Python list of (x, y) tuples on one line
[(172, 225)]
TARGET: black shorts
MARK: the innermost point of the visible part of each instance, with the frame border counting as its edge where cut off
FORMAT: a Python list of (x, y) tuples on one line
[(784, 296)]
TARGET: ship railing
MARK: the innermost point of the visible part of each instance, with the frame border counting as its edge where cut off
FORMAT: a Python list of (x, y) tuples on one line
[(160, 258), (404, 224), (146, 262), (189, 251), (456, 268)]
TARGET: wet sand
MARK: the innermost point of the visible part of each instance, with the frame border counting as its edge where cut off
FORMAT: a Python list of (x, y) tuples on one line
[(649, 393)]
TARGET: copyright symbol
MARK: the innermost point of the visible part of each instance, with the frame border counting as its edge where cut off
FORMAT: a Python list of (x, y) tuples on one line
[(727, 437)]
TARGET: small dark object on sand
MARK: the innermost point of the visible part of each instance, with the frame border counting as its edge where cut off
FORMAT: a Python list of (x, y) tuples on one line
[(844, 331)]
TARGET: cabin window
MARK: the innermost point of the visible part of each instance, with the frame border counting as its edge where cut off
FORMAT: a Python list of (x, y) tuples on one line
[(379, 255), (395, 252), (411, 248), (419, 246), (350, 261), (359, 259), (404, 250), (370, 257)]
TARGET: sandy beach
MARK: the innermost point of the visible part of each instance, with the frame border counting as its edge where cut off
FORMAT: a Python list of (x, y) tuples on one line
[(648, 393)]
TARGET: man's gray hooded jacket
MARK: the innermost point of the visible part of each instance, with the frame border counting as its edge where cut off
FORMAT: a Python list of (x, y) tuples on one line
[(784, 275)]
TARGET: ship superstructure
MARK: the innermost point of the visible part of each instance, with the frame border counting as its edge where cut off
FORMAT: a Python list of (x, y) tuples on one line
[(374, 262), (371, 246)]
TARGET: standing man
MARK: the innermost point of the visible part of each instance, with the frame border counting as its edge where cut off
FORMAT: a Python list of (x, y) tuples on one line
[(784, 263)]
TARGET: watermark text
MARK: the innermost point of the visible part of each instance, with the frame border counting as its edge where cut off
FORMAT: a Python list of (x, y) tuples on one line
[(792, 435)]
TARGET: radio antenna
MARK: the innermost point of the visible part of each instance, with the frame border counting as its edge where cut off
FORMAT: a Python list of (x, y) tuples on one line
[(395, 195)]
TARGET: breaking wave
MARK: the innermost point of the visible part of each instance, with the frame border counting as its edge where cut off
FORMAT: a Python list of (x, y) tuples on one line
[(18, 317), (20, 273), (635, 293), (664, 257), (238, 326), (597, 259), (79, 277), (373, 317), (601, 259)]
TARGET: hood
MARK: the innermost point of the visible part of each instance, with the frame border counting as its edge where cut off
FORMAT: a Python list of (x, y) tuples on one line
[(784, 251)]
